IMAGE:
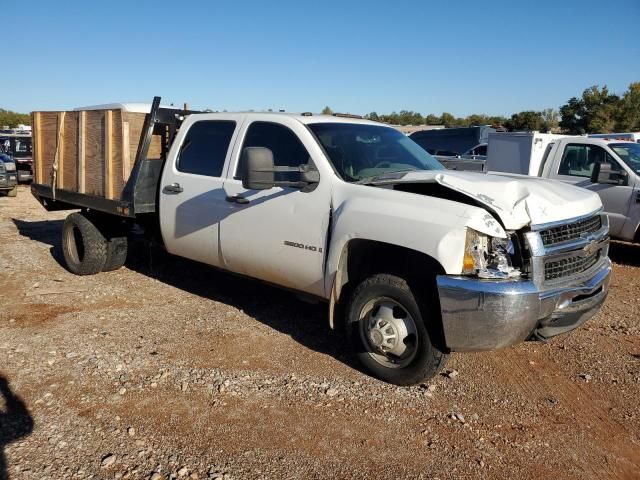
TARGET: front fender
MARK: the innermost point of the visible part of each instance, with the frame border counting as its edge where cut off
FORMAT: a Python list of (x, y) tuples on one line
[(430, 225)]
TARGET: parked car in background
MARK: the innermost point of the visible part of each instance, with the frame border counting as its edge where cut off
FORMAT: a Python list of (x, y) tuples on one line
[(18, 146), (8, 176), (611, 168)]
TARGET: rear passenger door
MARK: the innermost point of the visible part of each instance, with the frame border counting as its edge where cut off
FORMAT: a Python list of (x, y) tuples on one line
[(192, 198), (576, 166)]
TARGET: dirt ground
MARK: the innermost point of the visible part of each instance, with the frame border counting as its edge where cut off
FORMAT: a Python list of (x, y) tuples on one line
[(169, 369)]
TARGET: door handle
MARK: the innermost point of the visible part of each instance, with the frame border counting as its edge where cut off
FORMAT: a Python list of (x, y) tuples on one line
[(173, 188), (237, 199)]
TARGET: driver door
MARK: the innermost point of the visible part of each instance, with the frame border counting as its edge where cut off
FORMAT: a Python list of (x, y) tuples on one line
[(279, 234)]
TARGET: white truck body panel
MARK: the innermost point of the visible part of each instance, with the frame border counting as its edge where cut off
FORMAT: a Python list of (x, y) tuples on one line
[(250, 238), (517, 152), (418, 260)]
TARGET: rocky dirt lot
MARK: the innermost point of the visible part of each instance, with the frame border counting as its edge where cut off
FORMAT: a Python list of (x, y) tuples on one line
[(169, 369)]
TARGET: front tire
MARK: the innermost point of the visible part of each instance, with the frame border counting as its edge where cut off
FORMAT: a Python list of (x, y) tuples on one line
[(13, 192), (83, 245), (387, 328)]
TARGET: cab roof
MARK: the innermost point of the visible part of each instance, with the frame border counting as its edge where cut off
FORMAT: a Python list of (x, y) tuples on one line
[(305, 118)]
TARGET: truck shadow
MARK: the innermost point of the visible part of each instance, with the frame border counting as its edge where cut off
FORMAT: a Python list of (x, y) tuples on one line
[(15, 422), (44, 231), (302, 319), (625, 253), (284, 311)]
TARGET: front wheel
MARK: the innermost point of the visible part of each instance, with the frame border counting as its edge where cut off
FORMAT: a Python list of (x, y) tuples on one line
[(386, 326), (13, 192)]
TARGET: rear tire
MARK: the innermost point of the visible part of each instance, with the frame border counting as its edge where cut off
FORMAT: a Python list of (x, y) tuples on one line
[(83, 245), (386, 327), (117, 248)]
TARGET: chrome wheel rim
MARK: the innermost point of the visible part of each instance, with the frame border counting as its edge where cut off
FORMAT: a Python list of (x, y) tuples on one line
[(388, 332)]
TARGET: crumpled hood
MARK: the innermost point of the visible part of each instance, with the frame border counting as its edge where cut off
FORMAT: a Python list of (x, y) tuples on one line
[(519, 200)]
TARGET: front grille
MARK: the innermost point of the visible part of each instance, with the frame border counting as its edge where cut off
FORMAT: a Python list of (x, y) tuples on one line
[(570, 231), (569, 266)]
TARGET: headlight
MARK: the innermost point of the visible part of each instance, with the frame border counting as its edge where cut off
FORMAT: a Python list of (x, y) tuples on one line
[(11, 167), (488, 257)]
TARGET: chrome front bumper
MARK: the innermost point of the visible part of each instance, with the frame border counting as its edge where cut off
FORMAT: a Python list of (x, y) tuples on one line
[(489, 314)]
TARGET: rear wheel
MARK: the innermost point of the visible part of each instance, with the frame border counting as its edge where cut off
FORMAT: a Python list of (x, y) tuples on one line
[(117, 248), (83, 245), (386, 326)]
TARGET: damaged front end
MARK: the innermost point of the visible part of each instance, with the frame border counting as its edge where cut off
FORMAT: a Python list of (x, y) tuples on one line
[(490, 257)]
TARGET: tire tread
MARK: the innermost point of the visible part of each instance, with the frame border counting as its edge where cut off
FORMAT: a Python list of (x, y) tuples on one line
[(95, 246)]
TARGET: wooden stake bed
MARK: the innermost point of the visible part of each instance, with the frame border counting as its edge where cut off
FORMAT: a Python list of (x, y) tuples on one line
[(89, 152)]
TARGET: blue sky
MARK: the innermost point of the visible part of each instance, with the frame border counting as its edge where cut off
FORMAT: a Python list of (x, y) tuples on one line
[(494, 57)]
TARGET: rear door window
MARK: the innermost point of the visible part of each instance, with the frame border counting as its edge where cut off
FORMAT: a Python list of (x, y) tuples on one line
[(205, 147)]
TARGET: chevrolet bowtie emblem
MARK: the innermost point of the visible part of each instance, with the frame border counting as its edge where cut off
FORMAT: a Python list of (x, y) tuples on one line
[(591, 247)]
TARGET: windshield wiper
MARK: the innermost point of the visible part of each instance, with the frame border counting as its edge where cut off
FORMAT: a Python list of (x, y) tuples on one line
[(398, 174)]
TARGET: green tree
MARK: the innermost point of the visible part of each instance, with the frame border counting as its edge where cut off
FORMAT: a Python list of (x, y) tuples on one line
[(372, 116), (527, 120), (327, 111), (432, 119), (476, 119), (447, 119), (595, 112), (601, 109), (497, 121), (629, 111), (551, 119), (408, 117), (13, 119), (573, 116)]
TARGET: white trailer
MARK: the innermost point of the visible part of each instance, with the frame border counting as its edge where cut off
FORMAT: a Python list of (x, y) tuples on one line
[(518, 152)]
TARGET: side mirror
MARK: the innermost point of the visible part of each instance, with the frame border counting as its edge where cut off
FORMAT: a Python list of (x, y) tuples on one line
[(602, 173), (309, 174), (257, 168)]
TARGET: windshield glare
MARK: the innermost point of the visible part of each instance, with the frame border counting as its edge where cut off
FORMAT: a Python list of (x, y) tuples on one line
[(360, 151), (629, 153)]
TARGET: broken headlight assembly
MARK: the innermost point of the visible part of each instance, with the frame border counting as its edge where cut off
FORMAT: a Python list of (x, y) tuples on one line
[(488, 257)]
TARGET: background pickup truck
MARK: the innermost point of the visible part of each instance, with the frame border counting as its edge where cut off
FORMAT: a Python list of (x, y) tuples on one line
[(18, 147), (415, 261), (609, 167), (8, 176)]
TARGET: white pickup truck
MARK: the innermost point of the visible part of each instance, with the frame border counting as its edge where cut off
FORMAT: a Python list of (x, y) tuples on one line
[(415, 261), (609, 166)]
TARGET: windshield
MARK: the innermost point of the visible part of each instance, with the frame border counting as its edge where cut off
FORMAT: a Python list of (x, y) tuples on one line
[(360, 151), (629, 153)]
